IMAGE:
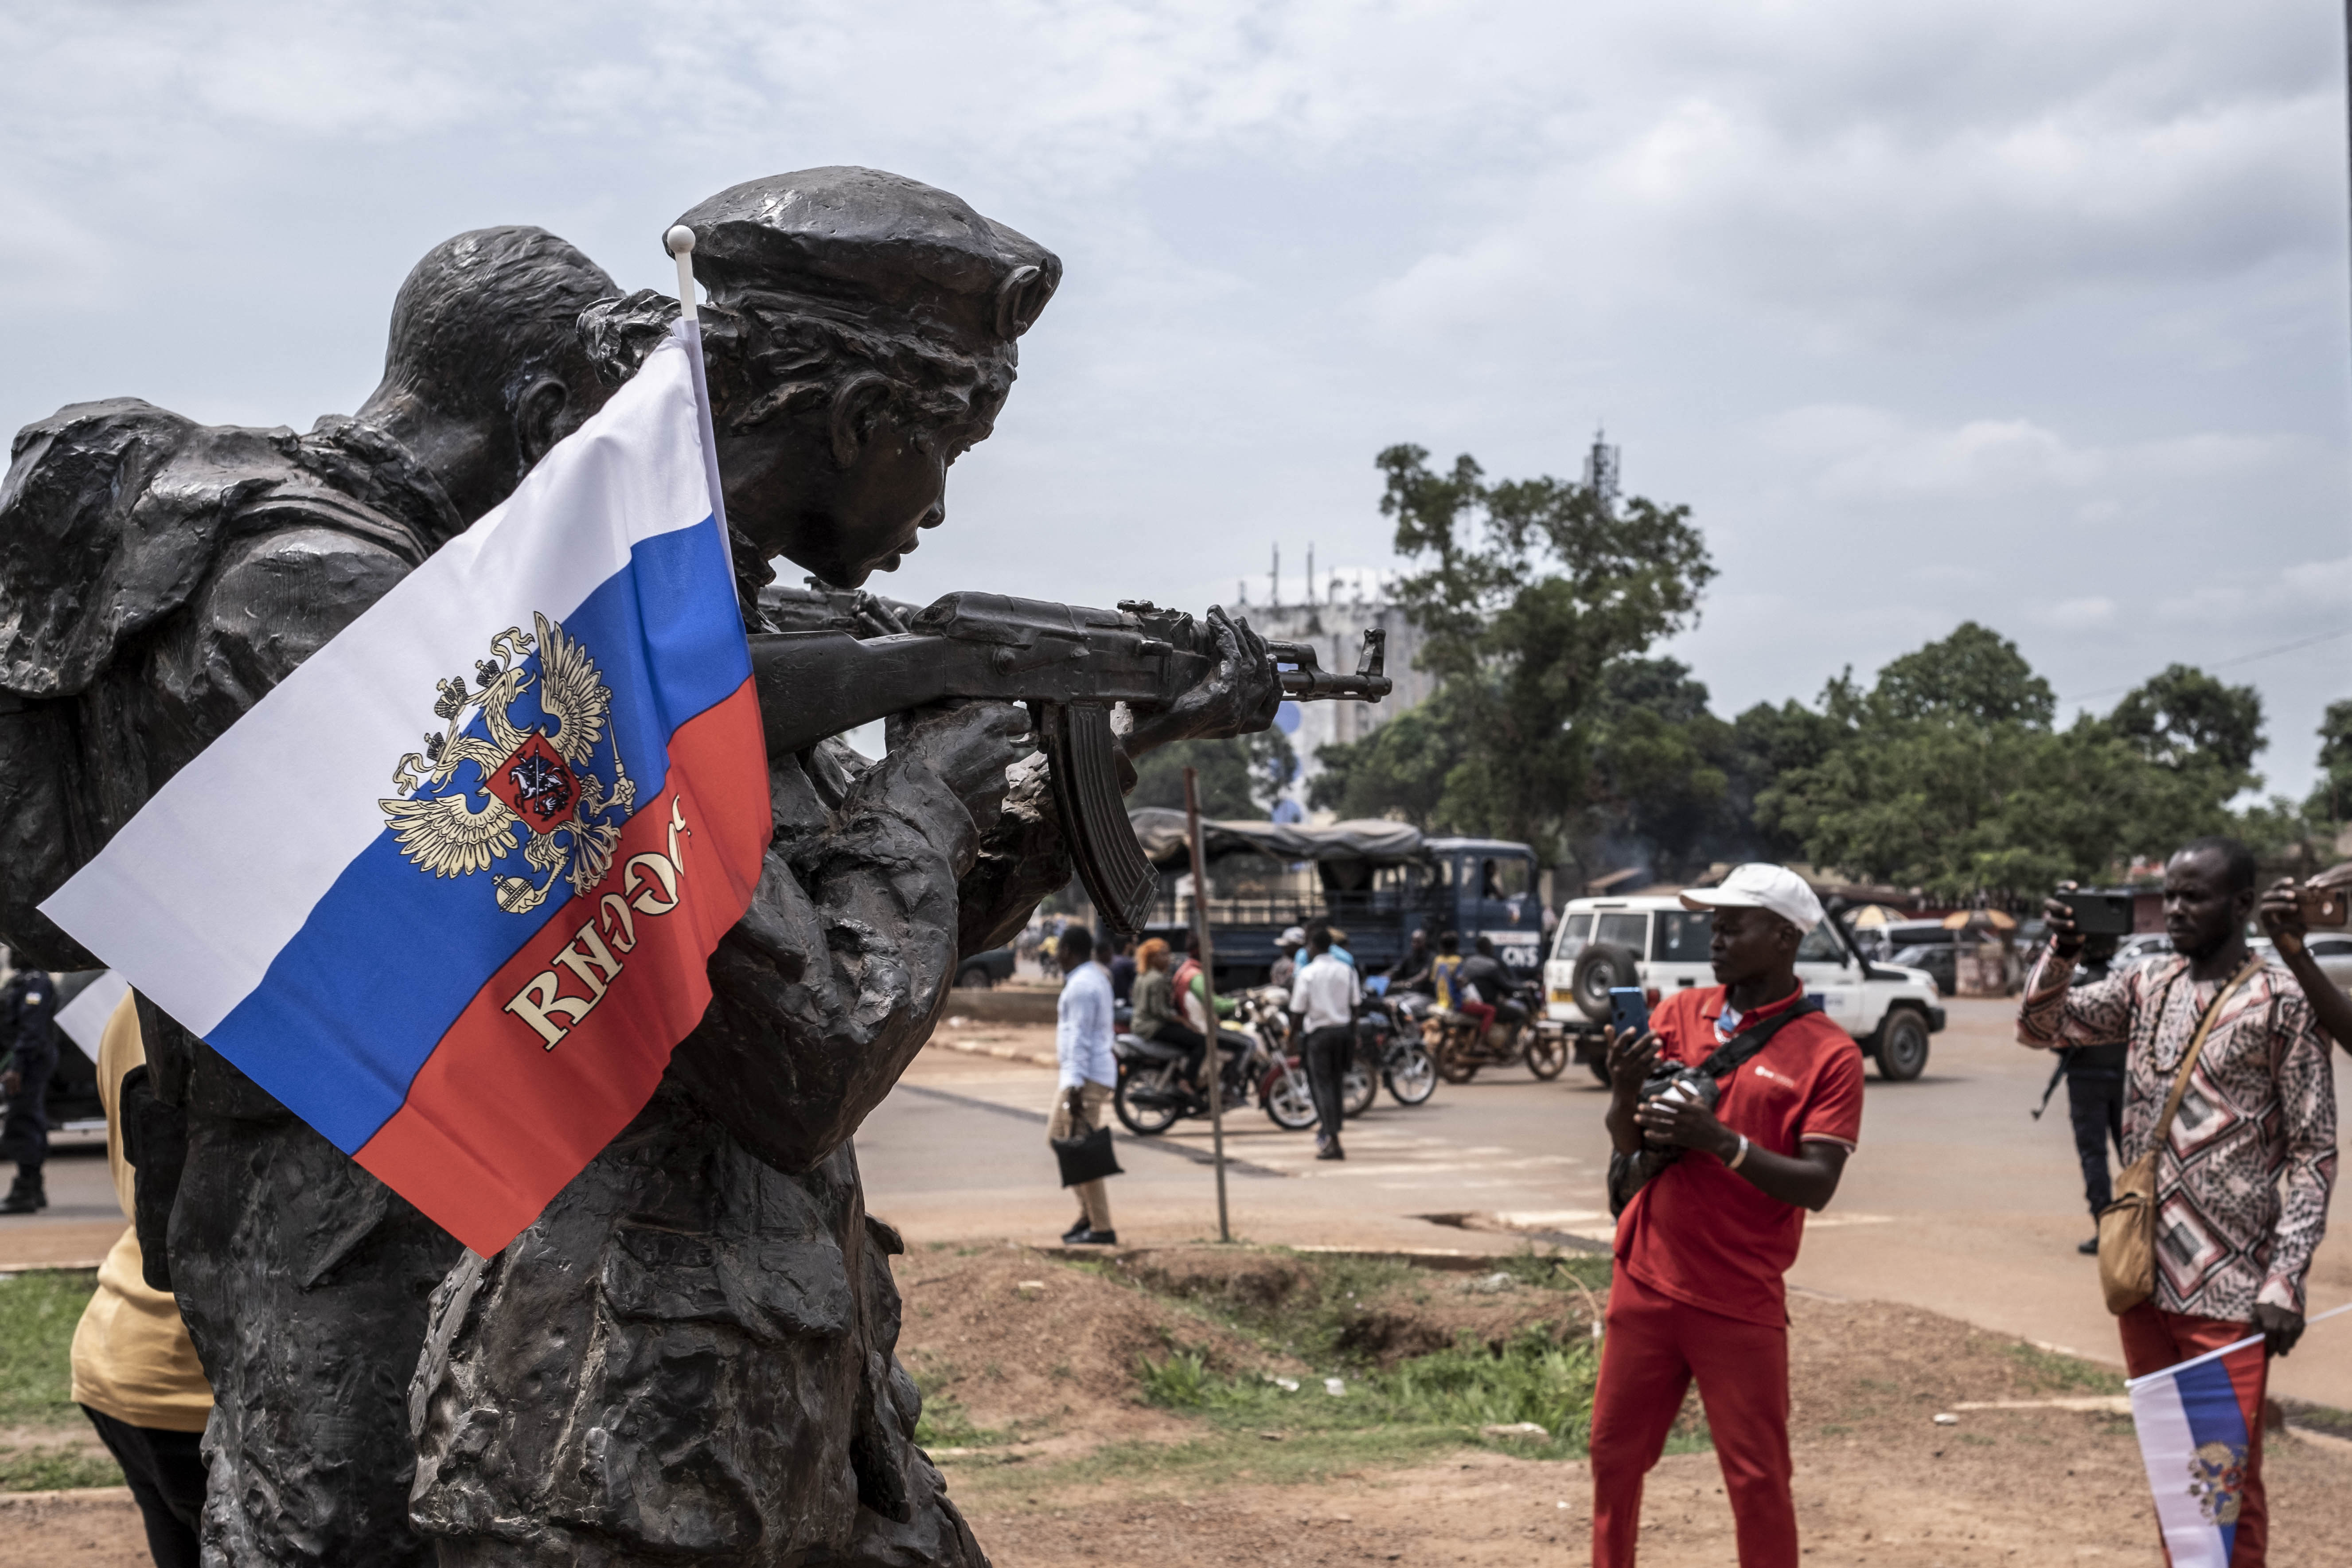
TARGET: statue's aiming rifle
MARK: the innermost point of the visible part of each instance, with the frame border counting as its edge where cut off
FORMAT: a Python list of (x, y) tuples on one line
[(1068, 663)]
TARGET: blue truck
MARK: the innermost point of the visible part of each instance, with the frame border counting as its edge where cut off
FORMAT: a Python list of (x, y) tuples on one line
[(1378, 881)]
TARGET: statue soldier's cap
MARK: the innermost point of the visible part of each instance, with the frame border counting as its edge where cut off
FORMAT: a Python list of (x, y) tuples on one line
[(863, 239)]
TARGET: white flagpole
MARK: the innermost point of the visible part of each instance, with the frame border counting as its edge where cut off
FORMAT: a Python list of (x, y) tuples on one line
[(2178, 1367), (680, 243)]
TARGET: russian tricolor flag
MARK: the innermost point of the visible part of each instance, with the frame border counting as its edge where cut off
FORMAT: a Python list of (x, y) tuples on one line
[(448, 892), (2197, 1422)]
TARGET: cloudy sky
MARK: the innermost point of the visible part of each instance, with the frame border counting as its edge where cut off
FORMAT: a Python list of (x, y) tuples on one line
[(2029, 313)]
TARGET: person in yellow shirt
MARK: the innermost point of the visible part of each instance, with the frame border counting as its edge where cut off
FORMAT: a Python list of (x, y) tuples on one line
[(135, 1374)]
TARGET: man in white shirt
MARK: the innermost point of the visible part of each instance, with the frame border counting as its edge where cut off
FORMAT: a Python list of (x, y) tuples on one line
[(1082, 1032), (1324, 996)]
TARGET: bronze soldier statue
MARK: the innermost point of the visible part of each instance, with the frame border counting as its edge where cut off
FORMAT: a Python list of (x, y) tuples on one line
[(157, 577), (690, 1355)]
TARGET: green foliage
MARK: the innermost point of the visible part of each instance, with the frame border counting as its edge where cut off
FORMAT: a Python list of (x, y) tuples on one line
[(1948, 774), (1974, 674), (2053, 1372), (39, 1313), (56, 1469), (943, 1422), (2187, 720), (1524, 591), (1399, 770), (1237, 778), (2331, 798), (1180, 1381), (1530, 1377)]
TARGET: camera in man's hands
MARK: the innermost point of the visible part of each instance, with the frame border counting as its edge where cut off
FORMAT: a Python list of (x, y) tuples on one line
[(2324, 907), (2099, 913), (1678, 1083)]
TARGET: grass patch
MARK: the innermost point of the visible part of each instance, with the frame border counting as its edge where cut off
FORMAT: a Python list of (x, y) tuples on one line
[(38, 1312), (56, 1469), (2047, 1372), (1326, 1316), (1452, 1392), (1184, 1469), (944, 1424), (1558, 1270)]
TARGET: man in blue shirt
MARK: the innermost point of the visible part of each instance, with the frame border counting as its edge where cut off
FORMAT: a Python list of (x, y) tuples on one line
[(1082, 1031)]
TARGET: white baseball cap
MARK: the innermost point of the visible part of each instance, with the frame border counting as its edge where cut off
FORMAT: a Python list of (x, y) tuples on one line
[(1758, 885)]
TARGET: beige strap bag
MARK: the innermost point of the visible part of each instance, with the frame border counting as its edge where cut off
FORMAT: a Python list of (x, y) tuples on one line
[(2127, 1226)]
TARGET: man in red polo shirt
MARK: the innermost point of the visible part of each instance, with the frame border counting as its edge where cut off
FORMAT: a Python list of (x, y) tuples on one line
[(1714, 1206)]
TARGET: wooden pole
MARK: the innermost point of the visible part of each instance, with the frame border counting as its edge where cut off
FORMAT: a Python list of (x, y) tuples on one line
[(1213, 1060)]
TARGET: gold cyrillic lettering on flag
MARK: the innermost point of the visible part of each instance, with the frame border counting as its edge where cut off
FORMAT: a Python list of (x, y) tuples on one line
[(596, 954)]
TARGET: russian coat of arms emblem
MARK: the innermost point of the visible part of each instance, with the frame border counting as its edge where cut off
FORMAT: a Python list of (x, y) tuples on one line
[(2217, 1479), (495, 772)]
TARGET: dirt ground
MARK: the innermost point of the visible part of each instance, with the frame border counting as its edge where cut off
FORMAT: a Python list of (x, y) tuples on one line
[(1030, 1362), (1878, 1482)]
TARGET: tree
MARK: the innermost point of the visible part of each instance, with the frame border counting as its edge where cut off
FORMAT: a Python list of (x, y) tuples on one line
[(1237, 778), (2186, 719), (1948, 774), (1975, 673), (1399, 770), (2331, 798), (1525, 591), (1661, 767)]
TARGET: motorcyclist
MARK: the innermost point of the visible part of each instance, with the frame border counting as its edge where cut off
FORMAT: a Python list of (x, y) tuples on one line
[(1410, 973), (1156, 1010), (1476, 985), (1485, 973), (1287, 966)]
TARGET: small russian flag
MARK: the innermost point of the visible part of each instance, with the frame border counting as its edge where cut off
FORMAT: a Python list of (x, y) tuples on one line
[(450, 889), (2197, 1424)]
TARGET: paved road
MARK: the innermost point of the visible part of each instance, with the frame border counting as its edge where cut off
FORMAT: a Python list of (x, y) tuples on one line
[(1957, 1202), (82, 1219)]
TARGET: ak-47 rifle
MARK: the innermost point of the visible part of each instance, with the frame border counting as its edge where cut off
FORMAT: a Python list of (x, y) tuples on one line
[(1068, 663)]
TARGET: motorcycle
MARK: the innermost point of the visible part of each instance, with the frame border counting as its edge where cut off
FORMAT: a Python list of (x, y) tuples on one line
[(1389, 1042), (1153, 1092), (1520, 1035)]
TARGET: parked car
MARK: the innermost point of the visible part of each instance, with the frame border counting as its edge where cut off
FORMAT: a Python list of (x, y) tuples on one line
[(1656, 943), (2333, 950), (982, 970)]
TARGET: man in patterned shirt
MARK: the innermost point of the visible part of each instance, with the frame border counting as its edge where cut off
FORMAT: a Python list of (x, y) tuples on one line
[(2242, 1182)]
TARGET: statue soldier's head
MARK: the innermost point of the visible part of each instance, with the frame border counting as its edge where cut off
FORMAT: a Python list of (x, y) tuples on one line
[(485, 370), (860, 338)]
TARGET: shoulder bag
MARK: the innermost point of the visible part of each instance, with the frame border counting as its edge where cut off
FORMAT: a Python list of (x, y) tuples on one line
[(1085, 1156), (2127, 1226)]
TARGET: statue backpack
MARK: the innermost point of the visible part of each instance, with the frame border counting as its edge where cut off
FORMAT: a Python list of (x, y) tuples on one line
[(2127, 1226)]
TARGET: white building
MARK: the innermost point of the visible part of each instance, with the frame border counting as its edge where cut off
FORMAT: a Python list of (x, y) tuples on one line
[(1334, 629)]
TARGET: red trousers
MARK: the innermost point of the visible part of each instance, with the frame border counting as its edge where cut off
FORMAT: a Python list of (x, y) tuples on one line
[(2154, 1339), (1652, 1347)]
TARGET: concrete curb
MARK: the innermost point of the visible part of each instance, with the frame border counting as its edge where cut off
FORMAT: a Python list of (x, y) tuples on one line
[(1002, 1052), (10, 1270), (1005, 1005), (72, 1495), (1442, 1259)]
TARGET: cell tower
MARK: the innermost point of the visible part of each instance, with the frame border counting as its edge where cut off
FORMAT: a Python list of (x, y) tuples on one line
[(1600, 469)]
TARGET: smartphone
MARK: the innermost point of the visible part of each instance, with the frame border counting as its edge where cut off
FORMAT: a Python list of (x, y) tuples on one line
[(2320, 906), (1629, 1010), (2099, 913)]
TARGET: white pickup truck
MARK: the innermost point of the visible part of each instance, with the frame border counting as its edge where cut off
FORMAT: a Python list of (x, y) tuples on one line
[(1657, 944)]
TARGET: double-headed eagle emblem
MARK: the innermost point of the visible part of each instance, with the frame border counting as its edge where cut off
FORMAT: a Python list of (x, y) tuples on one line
[(539, 780)]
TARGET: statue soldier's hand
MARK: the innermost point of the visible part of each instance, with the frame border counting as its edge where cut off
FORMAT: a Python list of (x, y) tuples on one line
[(1238, 697), (969, 745)]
